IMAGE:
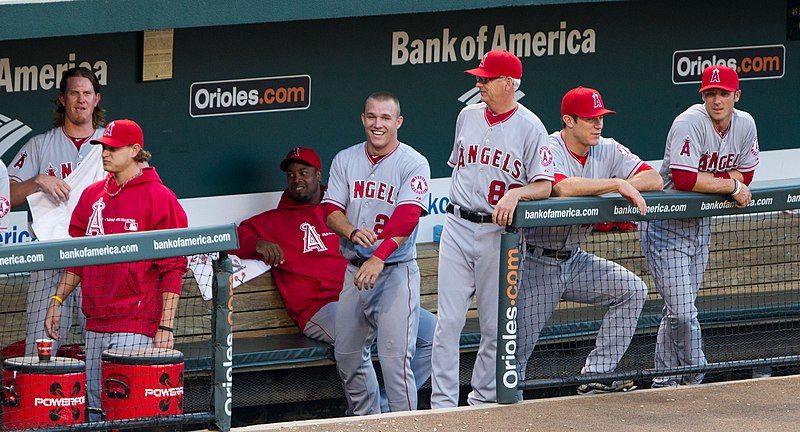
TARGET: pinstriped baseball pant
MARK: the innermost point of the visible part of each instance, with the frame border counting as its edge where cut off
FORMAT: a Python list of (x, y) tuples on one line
[(677, 254)]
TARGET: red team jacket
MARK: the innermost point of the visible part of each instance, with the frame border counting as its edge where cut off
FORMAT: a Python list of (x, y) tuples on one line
[(127, 297), (312, 273)]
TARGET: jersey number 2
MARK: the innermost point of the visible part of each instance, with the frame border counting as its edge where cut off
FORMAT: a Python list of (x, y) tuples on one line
[(380, 222), (497, 189)]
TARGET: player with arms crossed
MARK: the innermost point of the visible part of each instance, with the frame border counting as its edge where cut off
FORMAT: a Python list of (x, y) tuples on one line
[(41, 165), (499, 157), (129, 304), (711, 148), (374, 200), (306, 263), (555, 267)]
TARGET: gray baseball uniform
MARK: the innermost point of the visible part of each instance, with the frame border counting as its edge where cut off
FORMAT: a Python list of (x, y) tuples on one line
[(677, 250), (487, 160), (368, 193), (54, 154), (555, 268)]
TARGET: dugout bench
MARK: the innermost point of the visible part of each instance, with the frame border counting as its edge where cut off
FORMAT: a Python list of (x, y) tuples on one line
[(274, 363)]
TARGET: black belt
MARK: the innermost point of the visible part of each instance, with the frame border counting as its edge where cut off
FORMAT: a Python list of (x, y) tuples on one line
[(358, 262), (552, 253), (471, 216)]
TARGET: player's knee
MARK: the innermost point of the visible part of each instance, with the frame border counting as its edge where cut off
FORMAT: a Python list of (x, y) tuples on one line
[(640, 290), (449, 325)]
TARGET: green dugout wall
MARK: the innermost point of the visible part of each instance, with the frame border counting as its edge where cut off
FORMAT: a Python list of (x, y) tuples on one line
[(627, 50)]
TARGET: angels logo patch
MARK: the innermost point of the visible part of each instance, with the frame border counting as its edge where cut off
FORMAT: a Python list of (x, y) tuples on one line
[(5, 206), (754, 149), (419, 185), (624, 150), (545, 155)]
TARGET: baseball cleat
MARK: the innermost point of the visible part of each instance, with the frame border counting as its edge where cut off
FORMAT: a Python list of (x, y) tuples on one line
[(616, 386)]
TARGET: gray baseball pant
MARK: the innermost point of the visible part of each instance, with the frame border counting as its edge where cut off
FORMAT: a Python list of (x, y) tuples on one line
[(677, 254)]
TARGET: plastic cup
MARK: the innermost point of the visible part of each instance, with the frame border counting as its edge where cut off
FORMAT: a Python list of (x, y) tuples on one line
[(45, 349)]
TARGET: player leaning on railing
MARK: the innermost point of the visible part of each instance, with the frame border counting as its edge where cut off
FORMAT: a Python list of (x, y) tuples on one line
[(555, 266), (711, 148), (131, 304)]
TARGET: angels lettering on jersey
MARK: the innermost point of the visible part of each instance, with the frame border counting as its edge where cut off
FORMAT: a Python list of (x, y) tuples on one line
[(712, 161), (490, 156), (62, 172), (370, 189), (312, 241)]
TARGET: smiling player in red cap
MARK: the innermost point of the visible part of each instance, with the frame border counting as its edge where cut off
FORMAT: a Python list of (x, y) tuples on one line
[(586, 164), (308, 267), (499, 157), (129, 304), (712, 148)]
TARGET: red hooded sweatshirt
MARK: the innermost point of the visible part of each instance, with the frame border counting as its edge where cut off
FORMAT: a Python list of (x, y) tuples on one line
[(127, 297), (312, 273)]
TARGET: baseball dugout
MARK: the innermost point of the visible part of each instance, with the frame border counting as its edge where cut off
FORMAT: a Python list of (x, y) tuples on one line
[(140, 387), (747, 294)]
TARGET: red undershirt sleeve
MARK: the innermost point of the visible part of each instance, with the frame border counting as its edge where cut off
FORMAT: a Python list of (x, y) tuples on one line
[(748, 177), (402, 222), (684, 180)]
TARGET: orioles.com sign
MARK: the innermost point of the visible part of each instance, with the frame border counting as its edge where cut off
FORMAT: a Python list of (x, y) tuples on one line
[(750, 62), (246, 96)]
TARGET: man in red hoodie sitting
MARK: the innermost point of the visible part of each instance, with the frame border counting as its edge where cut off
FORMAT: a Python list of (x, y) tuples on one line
[(129, 304), (306, 263)]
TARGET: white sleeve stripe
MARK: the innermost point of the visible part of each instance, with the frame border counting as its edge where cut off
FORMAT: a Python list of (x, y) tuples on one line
[(684, 167), (336, 203), (15, 178), (417, 203), (634, 169), (747, 169), (542, 177), (451, 164)]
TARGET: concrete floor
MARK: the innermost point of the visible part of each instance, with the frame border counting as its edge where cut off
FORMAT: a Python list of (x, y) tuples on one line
[(766, 404)]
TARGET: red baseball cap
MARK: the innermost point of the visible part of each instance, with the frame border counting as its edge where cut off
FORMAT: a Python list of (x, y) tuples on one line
[(496, 64), (121, 133), (303, 155), (721, 77), (584, 102)]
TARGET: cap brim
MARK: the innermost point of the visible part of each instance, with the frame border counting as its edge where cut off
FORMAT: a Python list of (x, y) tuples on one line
[(480, 73), (108, 141), (717, 86), (595, 113), (285, 163)]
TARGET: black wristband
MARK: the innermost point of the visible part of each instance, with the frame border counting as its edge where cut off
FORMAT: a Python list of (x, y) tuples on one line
[(350, 237), (165, 328)]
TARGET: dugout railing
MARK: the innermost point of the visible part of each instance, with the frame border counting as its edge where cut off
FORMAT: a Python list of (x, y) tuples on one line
[(215, 352), (748, 307)]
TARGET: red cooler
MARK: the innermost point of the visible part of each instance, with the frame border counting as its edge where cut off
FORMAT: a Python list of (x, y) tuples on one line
[(143, 382), (43, 394)]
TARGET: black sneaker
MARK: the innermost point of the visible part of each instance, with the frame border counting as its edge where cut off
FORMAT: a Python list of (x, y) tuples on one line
[(616, 386)]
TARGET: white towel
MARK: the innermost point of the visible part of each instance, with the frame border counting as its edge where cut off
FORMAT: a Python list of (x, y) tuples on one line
[(243, 271), (51, 217)]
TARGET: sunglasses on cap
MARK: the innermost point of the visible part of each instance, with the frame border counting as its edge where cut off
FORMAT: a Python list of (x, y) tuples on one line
[(483, 80)]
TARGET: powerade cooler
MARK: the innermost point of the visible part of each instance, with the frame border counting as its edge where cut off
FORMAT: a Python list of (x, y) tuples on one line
[(43, 394), (142, 382)]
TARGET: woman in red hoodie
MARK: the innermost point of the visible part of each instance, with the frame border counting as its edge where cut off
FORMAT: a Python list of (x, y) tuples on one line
[(130, 304)]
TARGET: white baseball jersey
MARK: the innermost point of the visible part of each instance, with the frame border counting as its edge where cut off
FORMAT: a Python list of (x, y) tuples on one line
[(52, 153), (693, 144), (608, 159), (489, 160), (5, 199), (369, 192)]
